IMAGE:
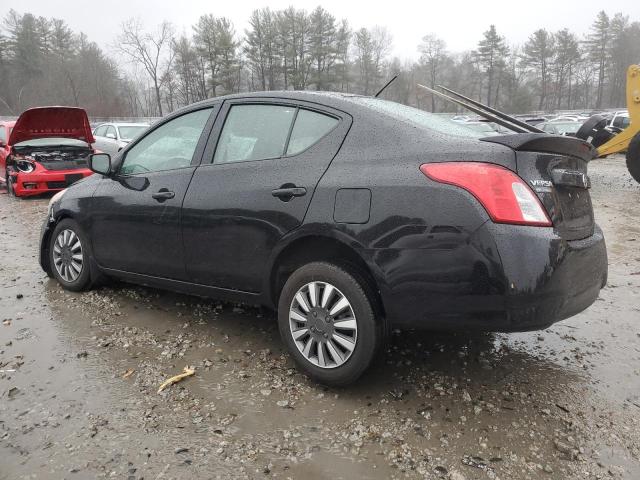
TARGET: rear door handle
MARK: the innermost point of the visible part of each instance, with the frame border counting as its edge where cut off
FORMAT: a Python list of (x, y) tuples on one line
[(287, 193), (163, 194)]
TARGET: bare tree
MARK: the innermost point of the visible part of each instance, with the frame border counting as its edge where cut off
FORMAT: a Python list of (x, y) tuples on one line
[(432, 55), (151, 50)]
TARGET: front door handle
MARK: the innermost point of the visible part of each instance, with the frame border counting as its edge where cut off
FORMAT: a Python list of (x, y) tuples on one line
[(163, 194), (286, 193)]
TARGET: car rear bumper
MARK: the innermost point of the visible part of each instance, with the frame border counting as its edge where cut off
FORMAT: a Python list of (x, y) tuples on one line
[(499, 278), (36, 183)]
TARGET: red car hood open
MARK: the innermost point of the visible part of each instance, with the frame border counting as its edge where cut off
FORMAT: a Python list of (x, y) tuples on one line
[(44, 122)]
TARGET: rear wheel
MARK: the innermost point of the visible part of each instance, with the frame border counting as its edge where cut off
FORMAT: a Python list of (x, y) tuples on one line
[(633, 157), (69, 256), (328, 323)]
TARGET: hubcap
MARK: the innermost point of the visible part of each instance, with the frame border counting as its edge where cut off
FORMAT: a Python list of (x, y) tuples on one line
[(67, 255), (323, 324)]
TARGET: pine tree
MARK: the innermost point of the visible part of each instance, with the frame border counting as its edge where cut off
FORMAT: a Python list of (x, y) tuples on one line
[(492, 50)]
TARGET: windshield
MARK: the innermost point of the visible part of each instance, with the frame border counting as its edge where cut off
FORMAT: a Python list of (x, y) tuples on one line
[(57, 141), (130, 132), (416, 117)]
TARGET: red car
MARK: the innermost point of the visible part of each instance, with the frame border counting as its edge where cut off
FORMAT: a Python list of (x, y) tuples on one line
[(47, 150), (5, 131)]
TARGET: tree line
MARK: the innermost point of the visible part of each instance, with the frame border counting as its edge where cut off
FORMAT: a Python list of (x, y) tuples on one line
[(42, 61)]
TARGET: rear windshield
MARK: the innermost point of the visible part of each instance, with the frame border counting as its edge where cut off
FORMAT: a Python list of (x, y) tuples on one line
[(57, 141), (418, 118)]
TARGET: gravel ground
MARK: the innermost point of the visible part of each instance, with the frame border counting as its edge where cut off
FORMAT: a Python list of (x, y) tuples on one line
[(79, 375)]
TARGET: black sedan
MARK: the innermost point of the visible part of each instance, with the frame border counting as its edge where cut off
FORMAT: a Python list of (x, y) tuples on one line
[(349, 215)]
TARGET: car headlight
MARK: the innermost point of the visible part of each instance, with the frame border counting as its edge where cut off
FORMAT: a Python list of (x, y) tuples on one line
[(56, 198), (25, 166)]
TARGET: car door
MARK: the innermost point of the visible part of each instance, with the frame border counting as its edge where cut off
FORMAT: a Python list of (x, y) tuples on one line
[(135, 222), (98, 135), (258, 174), (110, 140)]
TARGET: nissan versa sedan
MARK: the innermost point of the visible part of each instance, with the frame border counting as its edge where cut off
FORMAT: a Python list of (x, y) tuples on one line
[(349, 215)]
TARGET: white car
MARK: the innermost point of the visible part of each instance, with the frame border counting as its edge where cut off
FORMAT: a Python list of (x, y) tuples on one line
[(620, 120), (568, 118), (113, 137)]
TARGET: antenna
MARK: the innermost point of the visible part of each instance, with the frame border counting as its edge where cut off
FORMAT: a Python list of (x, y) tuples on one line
[(386, 85)]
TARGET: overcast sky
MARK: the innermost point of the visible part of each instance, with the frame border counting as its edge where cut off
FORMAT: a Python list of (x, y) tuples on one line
[(459, 23)]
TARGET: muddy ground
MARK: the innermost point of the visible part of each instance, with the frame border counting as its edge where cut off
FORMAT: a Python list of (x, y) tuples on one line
[(563, 403)]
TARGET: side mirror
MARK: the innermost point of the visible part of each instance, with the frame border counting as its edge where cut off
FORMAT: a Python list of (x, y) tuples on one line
[(111, 136), (100, 163)]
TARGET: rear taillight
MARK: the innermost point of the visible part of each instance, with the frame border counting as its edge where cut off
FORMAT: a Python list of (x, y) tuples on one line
[(503, 194)]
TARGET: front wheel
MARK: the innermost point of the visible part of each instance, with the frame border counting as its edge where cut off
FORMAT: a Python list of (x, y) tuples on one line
[(69, 256), (633, 157), (327, 321), (9, 184)]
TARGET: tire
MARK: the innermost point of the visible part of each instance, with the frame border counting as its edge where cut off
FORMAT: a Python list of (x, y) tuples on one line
[(633, 157), (327, 361), (9, 184), (591, 126), (595, 131), (64, 238)]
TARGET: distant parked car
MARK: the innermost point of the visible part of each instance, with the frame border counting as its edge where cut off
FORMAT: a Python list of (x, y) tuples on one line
[(113, 137), (568, 128), (531, 120), (481, 127), (48, 150), (619, 121), (569, 118)]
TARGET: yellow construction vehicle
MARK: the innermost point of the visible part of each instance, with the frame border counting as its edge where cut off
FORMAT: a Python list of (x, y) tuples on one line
[(594, 130)]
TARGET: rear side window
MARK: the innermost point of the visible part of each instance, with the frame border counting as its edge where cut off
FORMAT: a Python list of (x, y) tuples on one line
[(308, 129), (254, 132)]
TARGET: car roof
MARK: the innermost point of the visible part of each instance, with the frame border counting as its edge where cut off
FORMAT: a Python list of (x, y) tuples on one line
[(330, 99), (8, 123)]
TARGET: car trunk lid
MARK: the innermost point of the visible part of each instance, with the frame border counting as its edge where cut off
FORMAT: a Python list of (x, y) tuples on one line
[(556, 169), (52, 122)]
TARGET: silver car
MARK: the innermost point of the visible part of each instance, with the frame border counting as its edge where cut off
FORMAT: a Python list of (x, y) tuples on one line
[(113, 137)]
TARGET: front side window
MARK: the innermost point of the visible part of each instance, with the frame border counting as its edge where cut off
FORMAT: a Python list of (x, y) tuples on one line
[(111, 132), (168, 147), (254, 132), (308, 129)]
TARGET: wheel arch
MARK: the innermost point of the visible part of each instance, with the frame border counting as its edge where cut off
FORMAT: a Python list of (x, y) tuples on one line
[(46, 239), (314, 247)]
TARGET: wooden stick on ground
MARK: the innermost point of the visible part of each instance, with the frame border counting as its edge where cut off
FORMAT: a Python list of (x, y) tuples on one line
[(187, 372)]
